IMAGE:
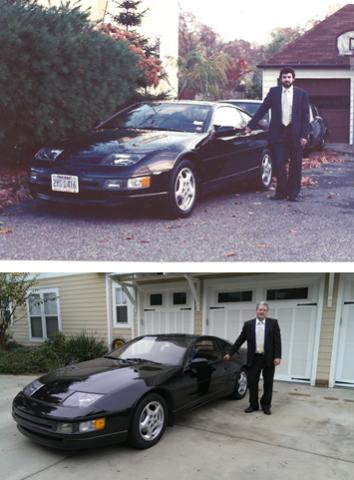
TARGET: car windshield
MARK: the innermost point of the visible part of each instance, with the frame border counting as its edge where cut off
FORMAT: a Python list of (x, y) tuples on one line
[(179, 117), (158, 349), (251, 108)]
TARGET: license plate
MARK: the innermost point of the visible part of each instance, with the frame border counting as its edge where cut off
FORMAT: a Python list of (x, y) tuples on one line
[(65, 183)]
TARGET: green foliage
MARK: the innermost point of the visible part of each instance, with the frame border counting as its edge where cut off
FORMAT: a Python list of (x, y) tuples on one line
[(14, 289), (56, 352), (129, 15), (57, 75)]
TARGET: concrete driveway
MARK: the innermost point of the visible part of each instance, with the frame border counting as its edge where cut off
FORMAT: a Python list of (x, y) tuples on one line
[(310, 436)]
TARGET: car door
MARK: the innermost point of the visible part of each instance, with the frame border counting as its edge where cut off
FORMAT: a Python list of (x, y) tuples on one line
[(226, 156), (206, 380)]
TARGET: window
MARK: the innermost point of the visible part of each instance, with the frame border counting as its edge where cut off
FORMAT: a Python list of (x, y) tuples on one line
[(224, 297), (43, 309), (288, 294), (121, 307), (228, 117), (179, 298), (156, 299), (207, 348)]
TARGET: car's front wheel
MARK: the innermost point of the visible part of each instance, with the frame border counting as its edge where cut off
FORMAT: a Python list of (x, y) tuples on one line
[(149, 421), (241, 386), (265, 170), (183, 190)]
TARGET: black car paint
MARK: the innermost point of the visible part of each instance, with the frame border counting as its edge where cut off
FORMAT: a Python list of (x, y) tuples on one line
[(217, 161), (123, 384)]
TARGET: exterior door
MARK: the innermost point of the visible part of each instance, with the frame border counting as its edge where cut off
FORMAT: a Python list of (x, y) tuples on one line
[(167, 310), (344, 372)]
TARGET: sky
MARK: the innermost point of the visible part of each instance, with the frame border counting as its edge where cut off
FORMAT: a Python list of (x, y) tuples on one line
[(254, 20)]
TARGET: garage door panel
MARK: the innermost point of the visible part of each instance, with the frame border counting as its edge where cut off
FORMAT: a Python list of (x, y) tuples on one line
[(304, 329), (285, 320), (345, 363)]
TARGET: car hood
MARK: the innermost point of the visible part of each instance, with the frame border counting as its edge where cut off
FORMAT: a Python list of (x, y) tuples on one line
[(93, 146), (102, 375)]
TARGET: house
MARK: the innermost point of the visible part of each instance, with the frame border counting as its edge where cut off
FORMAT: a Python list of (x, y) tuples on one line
[(323, 60), (315, 313), (160, 24)]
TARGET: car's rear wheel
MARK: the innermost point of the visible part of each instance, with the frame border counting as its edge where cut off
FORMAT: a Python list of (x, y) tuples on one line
[(241, 386), (183, 190), (265, 170), (149, 421)]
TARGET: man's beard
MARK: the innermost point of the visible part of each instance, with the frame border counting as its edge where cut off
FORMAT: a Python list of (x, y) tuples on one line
[(286, 84)]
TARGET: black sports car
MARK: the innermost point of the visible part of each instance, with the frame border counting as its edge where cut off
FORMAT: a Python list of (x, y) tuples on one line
[(319, 127), (130, 394), (166, 150)]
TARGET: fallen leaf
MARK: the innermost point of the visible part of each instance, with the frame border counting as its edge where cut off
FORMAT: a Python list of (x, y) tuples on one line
[(230, 254), (129, 237), (144, 241), (292, 231), (5, 231), (331, 195), (263, 245)]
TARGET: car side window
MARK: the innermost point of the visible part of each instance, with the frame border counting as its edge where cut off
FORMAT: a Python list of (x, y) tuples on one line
[(228, 117), (207, 348)]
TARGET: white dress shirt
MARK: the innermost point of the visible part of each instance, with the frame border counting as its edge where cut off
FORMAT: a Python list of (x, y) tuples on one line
[(260, 329), (286, 105)]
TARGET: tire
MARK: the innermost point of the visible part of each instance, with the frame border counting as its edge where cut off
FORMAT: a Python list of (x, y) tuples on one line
[(241, 386), (182, 194), (149, 422), (265, 172)]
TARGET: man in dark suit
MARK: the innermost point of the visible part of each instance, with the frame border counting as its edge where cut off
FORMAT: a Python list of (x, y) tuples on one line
[(288, 132), (263, 355)]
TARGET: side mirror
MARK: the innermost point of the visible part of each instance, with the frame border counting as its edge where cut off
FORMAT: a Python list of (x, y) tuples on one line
[(226, 131)]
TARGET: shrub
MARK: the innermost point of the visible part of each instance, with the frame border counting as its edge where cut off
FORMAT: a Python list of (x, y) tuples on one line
[(56, 352), (57, 75)]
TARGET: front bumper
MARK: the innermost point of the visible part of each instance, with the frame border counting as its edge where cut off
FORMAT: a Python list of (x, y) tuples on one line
[(92, 191), (42, 430)]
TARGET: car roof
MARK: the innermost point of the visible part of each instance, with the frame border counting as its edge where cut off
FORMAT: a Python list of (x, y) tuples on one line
[(242, 100)]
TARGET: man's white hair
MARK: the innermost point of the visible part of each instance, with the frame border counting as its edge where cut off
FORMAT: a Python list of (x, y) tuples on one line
[(265, 304)]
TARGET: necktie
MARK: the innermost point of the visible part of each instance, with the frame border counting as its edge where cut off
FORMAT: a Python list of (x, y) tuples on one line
[(286, 109), (260, 337)]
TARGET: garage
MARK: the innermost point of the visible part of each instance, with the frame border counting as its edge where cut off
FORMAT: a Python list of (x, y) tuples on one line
[(332, 97), (166, 308), (294, 302), (344, 336)]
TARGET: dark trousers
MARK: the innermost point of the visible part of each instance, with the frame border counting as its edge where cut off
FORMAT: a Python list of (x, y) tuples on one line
[(284, 150), (254, 372)]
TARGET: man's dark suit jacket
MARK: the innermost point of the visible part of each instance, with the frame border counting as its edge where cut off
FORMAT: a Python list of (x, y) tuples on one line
[(272, 341), (300, 125)]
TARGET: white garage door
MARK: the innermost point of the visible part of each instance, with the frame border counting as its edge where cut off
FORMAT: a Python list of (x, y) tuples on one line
[(297, 317), (345, 349), (167, 310)]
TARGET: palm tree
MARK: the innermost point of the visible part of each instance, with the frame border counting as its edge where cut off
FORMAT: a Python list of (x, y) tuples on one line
[(202, 74)]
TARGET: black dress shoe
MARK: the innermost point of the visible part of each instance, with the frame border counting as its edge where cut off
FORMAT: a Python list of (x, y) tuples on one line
[(251, 409), (267, 410), (277, 196)]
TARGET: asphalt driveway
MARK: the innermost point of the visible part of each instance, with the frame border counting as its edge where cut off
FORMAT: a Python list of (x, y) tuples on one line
[(234, 225), (309, 436)]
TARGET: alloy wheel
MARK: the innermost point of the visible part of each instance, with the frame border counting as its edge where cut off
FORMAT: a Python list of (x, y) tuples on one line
[(266, 170), (185, 189), (151, 421)]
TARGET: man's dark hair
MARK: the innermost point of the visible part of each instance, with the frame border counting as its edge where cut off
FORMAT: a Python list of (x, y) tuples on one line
[(287, 70)]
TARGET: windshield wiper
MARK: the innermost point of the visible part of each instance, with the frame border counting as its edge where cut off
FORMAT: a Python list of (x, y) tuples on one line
[(112, 357), (136, 359)]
